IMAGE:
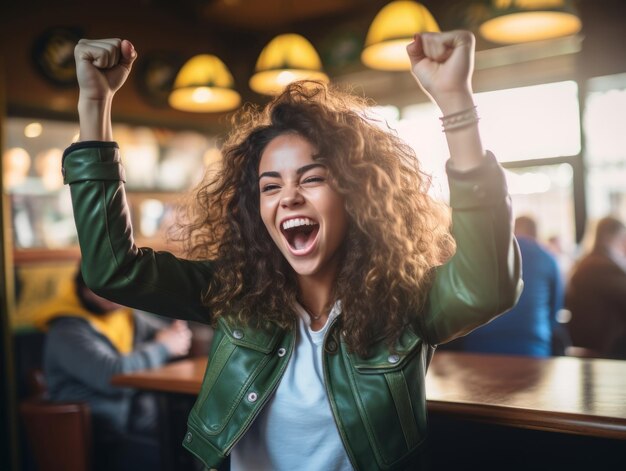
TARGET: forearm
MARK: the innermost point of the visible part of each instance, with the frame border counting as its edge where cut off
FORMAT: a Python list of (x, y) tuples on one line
[(464, 143), (442, 64), (95, 119), (101, 369), (483, 279), (90, 360)]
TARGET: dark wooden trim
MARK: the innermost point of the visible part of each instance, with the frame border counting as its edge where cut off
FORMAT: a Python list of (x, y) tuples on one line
[(577, 424)]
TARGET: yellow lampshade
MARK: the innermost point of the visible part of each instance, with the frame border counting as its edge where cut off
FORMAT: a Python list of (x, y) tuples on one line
[(285, 59), (204, 84), (392, 29), (517, 21)]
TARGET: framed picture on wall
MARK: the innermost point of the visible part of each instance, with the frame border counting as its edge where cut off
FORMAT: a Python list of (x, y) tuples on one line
[(53, 55)]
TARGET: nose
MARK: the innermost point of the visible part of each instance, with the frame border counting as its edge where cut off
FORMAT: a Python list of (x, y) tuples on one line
[(291, 197)]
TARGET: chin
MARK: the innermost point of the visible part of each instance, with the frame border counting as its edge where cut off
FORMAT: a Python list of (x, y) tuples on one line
[(304, 269)]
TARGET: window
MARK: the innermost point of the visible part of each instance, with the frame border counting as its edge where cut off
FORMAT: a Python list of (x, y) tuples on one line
[(540, 121), (535, 132), (605, 150)]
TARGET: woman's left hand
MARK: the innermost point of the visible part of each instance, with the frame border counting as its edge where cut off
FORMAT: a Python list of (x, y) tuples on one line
[(442, 64)]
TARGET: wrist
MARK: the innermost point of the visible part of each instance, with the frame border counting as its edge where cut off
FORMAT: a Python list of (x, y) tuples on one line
[(459, 120), (90, 109), (453, 102), (95, 119)]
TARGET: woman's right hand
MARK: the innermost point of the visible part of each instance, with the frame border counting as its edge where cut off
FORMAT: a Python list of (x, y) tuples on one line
[(102, 66)]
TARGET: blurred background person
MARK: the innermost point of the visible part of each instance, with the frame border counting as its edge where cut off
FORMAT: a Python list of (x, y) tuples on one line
[(90, 339), (596, 293), (531, 327), (564, 259)]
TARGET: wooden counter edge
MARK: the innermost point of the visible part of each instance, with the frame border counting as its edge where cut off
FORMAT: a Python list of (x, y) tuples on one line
[(577, 424), (563, 422), (156, 384)]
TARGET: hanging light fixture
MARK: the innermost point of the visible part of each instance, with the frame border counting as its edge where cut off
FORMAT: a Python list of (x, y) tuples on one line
[(517, 21), (285, 59), (204, 84), (392, 29)]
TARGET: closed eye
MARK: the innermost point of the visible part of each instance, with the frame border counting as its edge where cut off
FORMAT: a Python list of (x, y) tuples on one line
[(269, 187), (313, 180)]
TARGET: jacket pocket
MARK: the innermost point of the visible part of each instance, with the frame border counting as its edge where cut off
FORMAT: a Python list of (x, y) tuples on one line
[(388, 388), (236, 379), (382, 360)]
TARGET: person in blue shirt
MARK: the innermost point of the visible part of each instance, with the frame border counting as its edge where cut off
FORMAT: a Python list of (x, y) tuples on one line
[(531, 327)]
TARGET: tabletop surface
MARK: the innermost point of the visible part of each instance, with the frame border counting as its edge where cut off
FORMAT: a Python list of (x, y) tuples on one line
[(564, 394)]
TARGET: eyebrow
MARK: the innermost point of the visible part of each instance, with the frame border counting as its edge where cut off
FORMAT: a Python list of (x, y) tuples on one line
[(299, 171)]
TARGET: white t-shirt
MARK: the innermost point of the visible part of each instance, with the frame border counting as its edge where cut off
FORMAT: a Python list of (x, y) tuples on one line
[(296, 429)]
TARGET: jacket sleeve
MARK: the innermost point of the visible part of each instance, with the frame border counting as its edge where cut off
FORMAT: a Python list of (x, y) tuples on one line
[(483, 278), (89, 359), (113, 266)]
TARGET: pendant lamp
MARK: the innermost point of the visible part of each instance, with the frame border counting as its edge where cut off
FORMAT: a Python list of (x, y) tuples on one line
[(285, 59), (204, 84), (392, 29), (517, 21)]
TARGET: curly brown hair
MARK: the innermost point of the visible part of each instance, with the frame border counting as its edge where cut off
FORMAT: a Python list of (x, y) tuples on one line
[(397, 233)]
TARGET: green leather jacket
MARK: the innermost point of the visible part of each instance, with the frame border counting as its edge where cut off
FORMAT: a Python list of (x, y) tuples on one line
[(378, 403)]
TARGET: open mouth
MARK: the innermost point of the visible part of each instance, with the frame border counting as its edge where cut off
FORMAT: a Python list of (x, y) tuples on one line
[(300, 233)]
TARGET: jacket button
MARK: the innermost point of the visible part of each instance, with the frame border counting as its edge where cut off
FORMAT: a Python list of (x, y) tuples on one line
[(281, 352), (238, 334), (188, 437), (252, 397), (331, 346), (393, 358)]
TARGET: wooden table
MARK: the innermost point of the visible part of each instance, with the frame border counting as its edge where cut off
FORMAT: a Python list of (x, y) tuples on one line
[(571, 396), (562, 394)]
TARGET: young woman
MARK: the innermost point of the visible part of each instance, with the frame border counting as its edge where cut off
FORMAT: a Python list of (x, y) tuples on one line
[(316, 253)]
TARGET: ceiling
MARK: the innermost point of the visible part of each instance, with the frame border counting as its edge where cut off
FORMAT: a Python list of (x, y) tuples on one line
[(168, 32), (270, 15), (237, 30), (275, 16)]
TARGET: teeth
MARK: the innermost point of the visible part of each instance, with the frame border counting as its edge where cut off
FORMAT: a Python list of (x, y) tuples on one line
[(296, 222)]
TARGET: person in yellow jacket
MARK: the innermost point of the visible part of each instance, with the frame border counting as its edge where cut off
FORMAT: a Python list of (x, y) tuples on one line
[(88, 340)]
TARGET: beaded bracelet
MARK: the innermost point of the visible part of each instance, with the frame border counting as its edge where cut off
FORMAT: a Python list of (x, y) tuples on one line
[(460, 119)]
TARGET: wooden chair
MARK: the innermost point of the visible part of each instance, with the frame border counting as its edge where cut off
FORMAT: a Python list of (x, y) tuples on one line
[(59, 434)]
